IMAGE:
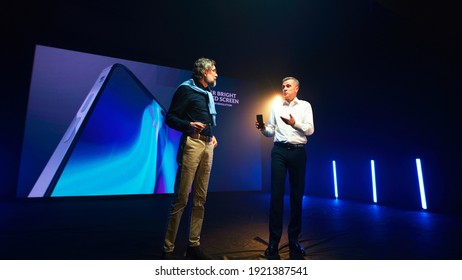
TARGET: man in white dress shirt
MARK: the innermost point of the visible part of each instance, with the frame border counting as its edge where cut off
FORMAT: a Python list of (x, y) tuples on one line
[(290, 123)]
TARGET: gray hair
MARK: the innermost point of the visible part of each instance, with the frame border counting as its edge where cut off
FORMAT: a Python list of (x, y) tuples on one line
[(297, 83), (201, 66)]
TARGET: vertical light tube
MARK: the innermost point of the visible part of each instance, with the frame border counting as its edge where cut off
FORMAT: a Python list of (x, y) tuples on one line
[(423, 199), (334, 169), (374, 187)]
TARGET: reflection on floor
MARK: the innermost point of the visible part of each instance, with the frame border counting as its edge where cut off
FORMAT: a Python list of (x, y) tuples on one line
[(235, 227)]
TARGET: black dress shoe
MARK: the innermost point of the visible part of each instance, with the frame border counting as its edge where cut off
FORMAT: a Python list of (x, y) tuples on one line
[(296, 251), (272, 252)]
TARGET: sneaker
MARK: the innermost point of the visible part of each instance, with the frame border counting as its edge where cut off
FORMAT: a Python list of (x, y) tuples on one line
[(196, 253)]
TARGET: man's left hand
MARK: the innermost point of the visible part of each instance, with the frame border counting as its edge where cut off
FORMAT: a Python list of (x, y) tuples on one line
[(214, 142), (290, 121)]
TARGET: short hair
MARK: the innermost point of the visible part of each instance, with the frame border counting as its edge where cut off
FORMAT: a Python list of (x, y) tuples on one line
[(201, 66), (297, 83)]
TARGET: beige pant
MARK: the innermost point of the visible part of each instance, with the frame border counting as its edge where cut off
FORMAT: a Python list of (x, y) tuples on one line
[(194, 165)]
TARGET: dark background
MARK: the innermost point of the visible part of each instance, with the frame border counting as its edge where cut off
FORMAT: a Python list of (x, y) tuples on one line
[(383, 77)]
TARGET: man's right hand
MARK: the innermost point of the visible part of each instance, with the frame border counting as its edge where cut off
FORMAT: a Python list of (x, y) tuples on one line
[(260, 128), (197, 126)]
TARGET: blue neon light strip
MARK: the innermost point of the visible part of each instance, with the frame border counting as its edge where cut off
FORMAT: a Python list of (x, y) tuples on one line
[(334, 169), (374, 186), (421, 184)]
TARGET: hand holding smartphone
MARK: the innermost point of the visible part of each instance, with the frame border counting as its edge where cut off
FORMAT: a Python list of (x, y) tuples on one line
[(261, 125)]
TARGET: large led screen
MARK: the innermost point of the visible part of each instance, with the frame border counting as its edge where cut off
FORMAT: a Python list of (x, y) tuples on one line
[(95, 126)]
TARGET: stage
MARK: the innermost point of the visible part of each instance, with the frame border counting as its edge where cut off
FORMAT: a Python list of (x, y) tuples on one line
[(235, 228)]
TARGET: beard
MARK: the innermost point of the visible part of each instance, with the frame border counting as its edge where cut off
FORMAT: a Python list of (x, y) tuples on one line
[(211, 82)]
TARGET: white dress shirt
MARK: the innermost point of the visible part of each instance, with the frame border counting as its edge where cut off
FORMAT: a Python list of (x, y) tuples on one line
[(302, 113)]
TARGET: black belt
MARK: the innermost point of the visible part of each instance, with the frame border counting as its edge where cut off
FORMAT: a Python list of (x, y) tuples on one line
[(199, 136), (288, 145)]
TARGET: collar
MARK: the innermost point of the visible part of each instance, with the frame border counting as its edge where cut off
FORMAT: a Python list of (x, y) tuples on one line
[(294, 102), (199, 85)]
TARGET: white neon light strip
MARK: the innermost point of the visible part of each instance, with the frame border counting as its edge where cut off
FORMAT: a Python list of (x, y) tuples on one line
[(335, 178), (423, 199), (374, 186)]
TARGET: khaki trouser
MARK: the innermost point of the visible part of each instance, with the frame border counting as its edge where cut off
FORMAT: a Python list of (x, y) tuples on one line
[(194, 165)]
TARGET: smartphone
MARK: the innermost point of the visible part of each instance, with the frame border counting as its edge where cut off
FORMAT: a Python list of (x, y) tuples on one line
[(260, 121), (117, 143)]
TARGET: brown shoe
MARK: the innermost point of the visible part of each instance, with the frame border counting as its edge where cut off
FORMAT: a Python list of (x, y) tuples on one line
[(168, 256), (196, 253)]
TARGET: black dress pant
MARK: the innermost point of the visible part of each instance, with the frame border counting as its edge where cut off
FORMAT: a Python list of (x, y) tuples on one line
[(291, 160)]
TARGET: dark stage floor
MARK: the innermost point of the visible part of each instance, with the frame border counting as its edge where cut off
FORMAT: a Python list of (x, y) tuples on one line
[(235, 227)]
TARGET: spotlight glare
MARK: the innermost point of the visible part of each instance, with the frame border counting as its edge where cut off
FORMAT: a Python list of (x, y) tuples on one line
[(421, 184), (277, 99), (272, 100), (334, 169), (374, 187)]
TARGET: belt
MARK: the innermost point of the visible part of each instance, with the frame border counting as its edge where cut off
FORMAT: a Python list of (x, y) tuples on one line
[(288, 145), (199, 136)]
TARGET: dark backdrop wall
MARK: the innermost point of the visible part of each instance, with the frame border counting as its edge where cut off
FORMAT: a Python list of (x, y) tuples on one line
[(383, 76)]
